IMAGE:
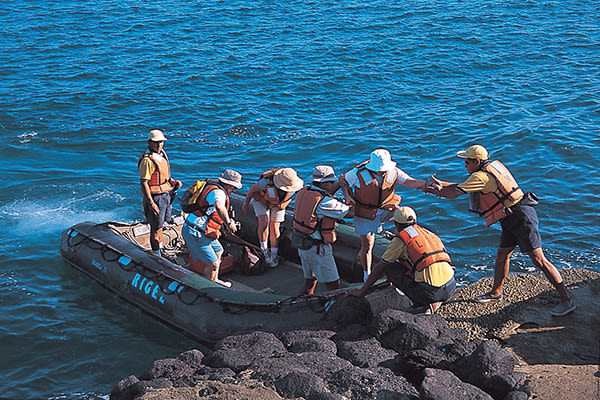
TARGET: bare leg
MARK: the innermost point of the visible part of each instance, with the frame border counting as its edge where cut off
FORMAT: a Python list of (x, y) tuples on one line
[(365, 253), (212, 270), (501, 269), (274, 234), (309, 286), (539, 260), (263, 224)]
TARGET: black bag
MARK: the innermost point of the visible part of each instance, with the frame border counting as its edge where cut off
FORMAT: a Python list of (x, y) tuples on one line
[(301, 240), (251, 261)]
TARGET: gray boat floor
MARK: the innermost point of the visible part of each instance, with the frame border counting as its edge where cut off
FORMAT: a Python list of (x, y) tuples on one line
[(285, 280)]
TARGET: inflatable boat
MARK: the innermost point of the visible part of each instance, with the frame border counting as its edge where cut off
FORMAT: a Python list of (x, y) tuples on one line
[(118, 257)]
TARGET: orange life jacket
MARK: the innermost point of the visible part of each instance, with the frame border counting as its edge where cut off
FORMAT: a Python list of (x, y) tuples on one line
[(270, 196), (372, 196), (160, 179), (423, 247), (305, 217), (492, 205), (214, 223)]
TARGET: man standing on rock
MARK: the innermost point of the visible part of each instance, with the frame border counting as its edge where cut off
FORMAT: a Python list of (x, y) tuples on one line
[(496, 195), (417, 263)]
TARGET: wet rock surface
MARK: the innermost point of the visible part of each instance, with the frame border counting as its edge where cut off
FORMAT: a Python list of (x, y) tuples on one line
[(460, 353)]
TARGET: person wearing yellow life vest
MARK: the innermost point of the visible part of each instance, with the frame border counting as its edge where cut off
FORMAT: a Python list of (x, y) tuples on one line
[(270, 196), (156, 183), (370, 189), (496, 195), (416, 263), (203, 227), (316, 213)]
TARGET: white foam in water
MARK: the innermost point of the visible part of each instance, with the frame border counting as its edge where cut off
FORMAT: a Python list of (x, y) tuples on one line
[(55, 214)]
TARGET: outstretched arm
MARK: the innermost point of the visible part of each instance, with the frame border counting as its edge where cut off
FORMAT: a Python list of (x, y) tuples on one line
[(441, 188), (249, 195)]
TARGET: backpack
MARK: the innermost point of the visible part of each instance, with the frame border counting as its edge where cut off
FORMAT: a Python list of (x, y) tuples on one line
[(188, 201), (251, 261)]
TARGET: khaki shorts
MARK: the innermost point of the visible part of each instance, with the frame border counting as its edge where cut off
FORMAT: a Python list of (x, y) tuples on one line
[(274, 213), (319, 265)]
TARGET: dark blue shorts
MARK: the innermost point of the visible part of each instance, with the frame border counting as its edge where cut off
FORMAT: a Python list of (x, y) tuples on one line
[(521, 228), (420, 293), (163, 201)]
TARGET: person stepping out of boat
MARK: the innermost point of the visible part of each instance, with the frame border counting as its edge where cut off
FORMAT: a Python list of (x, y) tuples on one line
[(369, 189), (417, 263), (496, 196), (156, 186), (202, 227), (316, 213), (270, 196)]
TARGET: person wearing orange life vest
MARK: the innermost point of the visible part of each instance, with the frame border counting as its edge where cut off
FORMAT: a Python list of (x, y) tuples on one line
[(316, 213), (203, 227), (370, 189), (270, 196), (156, 183), (417, 263), (496, 195)]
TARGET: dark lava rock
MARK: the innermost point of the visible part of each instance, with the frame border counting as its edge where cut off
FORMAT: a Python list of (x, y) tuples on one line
[(348, 310), (289, 338), (170, 368), (299, 384), (314, 344), (498, 386), (516, 395), (440, 384), (487, 360), (359, 383), (238, 352), (365, 353), (272, 369), (122, 390)]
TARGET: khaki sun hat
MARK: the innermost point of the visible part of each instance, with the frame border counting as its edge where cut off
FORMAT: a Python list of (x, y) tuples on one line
[(324, 173), (287, 180), (156, 135), (405, 215), (381, 161), (231, 177), (476, 152)]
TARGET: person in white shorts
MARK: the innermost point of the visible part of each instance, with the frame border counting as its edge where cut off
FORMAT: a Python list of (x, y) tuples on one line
[(369, 189)]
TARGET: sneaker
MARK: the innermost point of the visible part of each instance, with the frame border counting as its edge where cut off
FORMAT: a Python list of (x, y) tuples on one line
[(430, 309), (486, 298), (563, 309), (272, 261), (224, 283)]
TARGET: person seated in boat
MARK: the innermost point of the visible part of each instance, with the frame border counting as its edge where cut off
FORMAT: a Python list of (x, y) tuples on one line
[(270, 196), (416, 263), (370, 189), (316, 213), (156, 186), (202, 227)]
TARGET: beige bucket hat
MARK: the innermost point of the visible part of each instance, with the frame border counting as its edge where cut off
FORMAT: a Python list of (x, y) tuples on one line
[(156, 135), (231, 177), (287, 180), (324, 173)]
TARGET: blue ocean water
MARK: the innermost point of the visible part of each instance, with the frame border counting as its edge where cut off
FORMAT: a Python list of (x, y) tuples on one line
[(255, 84)]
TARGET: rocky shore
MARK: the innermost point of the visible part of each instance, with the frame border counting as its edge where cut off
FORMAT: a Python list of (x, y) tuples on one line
[(507, 350)]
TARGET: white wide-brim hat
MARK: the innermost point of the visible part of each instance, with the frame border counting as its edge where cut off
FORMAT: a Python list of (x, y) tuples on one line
[(287, 180), (380, 161), (323, 173)]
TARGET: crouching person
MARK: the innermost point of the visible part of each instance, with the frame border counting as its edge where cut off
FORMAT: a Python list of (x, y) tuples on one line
[(417, 263), (203, 226), (315, 217)]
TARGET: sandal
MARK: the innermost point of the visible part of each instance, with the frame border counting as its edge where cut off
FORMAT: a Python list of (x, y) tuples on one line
[(486, 298)]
